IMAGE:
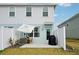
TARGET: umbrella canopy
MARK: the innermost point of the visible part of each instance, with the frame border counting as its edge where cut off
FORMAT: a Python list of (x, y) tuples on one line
[(26, 28)]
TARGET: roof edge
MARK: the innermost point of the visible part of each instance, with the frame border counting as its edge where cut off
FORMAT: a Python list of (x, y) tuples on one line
[(70, 18), (27, 4)]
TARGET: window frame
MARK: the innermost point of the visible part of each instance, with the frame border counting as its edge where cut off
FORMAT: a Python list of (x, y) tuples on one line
[(11, 11), (45, 11), (28, 12), (35, 32)]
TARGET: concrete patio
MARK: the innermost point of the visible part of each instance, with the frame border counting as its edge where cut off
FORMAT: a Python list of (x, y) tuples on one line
[(33, 45)]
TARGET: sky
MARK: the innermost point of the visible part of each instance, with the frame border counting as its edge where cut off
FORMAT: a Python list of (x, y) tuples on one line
[(64, 11)]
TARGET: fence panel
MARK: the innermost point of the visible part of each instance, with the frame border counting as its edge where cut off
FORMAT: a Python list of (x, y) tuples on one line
[(61, 37), (1, 48)]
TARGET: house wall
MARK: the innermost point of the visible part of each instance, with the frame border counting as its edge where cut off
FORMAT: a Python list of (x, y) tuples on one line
[(21, 18), (42, 36), (72, 28)]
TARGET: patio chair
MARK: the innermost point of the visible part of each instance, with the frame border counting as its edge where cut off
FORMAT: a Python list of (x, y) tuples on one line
[(29, 40)]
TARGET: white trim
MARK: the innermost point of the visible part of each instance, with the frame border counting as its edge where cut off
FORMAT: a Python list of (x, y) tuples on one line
[(12, 11)]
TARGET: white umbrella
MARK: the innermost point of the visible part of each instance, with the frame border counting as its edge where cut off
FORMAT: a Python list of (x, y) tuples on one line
[(26, 28)]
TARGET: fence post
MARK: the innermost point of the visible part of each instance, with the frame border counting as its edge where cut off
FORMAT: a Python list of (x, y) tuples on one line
[(64, 38), (2, 38)]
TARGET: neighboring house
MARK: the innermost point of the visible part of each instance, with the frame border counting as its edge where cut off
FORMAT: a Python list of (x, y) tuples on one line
[(72, 26), (40, 15)]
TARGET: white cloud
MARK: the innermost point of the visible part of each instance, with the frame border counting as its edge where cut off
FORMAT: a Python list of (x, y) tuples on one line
[(65, 4)]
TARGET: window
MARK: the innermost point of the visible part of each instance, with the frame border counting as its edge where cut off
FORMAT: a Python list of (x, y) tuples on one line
[(45, 11), (12, 12), (31, 34), (48, 25), (36, 32), (48, 34), (8, 26), (28, 11)]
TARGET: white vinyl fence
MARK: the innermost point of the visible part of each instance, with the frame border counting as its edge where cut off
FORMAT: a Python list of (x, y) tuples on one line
[(1, 48), (5, 35), (61, 37)]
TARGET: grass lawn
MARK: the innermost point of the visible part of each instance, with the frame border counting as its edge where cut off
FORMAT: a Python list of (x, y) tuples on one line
[(1, 51), (44, 51)]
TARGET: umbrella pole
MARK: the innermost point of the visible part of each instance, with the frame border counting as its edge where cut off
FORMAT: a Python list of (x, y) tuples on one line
[(19, 35), (33, 33)]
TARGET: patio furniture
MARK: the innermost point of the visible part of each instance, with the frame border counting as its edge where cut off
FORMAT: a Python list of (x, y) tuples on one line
[(29, 40), (11, 42), (21, 41)]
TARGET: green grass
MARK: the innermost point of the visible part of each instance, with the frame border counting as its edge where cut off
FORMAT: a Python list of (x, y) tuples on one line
[(74, 43), (1, 51), (44, 51)]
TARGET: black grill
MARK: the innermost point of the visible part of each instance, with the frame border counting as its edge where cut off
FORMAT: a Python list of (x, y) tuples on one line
[(52, 40)]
